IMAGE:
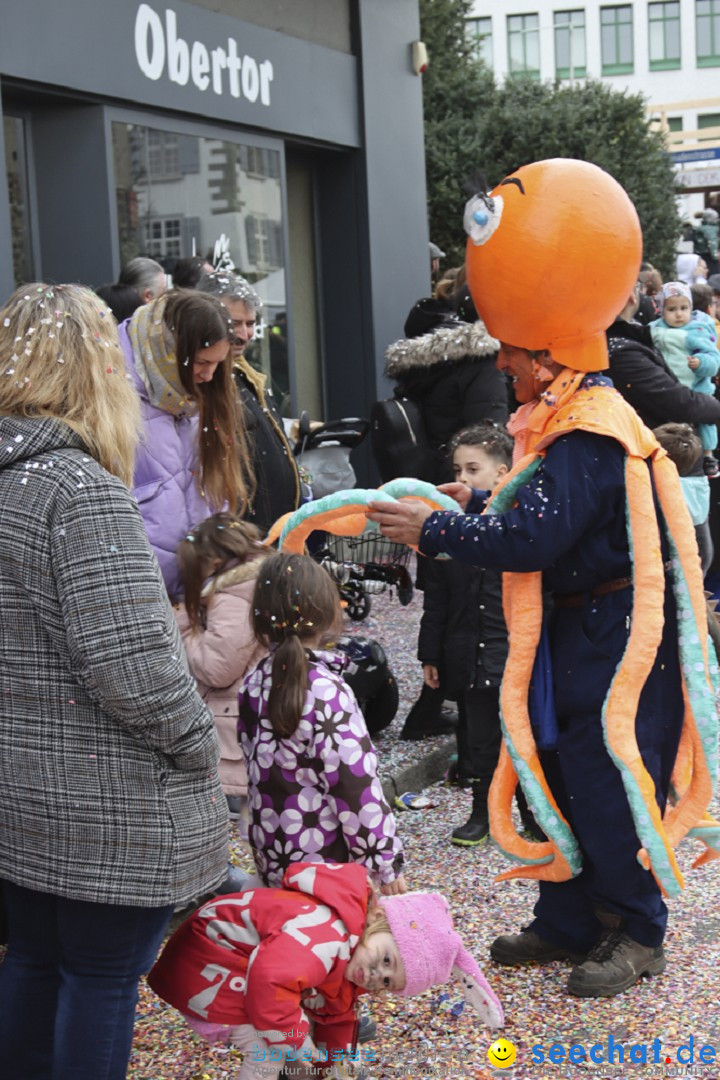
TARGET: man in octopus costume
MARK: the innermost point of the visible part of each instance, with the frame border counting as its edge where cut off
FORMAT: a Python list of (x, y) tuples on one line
[(608, 706)]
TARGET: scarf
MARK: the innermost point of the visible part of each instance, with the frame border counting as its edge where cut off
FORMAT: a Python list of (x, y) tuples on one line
[(528, 422), (156, 361)]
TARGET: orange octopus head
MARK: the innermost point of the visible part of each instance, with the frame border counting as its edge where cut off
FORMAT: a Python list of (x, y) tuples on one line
[(551, 259)]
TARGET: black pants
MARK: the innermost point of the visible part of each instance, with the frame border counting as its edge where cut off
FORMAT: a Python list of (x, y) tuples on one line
[(478, 732)]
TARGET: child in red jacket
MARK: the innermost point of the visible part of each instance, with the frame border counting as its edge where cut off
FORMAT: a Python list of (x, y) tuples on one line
[(258, 968)]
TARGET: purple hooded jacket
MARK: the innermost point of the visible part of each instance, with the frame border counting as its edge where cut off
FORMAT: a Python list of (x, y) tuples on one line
[(164, 482)]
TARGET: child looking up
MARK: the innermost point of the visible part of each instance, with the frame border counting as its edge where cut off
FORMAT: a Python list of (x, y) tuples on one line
[(256, 968), (462, 643), (688, 343), (314, 792), (219, 561)]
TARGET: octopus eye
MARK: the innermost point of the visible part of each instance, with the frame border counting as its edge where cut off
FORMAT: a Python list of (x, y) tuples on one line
[(482, 217)]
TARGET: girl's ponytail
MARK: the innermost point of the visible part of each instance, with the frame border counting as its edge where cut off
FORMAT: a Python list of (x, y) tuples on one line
[(295, 604), (288, 688)]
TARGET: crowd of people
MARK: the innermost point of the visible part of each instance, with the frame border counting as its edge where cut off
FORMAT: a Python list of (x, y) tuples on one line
[(163, 670)]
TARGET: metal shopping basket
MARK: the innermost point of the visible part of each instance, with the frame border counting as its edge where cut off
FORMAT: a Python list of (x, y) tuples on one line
[(365, 565)]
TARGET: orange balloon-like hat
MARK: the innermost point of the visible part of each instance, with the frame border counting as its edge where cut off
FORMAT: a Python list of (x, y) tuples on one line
[(552, 255)]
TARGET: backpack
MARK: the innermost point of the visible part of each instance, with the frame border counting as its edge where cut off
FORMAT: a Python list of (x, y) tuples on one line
[(400, 444)]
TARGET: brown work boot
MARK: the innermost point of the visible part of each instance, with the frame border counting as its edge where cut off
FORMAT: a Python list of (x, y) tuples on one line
[(527, 948), (614, 964)]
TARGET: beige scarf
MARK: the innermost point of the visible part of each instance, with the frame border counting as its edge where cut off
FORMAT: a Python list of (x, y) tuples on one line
[(156, 361)]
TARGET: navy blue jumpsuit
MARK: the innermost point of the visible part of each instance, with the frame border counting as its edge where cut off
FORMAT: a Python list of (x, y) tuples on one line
[(570, 523)]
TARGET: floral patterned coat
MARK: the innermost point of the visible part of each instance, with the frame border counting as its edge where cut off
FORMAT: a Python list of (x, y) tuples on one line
[(315, 796)]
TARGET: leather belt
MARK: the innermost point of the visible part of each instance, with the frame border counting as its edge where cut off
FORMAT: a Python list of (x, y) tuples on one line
[(574, 600)]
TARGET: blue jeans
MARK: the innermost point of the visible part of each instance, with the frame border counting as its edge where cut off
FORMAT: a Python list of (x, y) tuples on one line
[(69, 984)]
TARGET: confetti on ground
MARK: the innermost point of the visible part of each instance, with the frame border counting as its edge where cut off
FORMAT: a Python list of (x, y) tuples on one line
[(425, 1037)]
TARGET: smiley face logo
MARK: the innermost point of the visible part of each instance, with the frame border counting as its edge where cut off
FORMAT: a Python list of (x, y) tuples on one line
[(502, 1054)]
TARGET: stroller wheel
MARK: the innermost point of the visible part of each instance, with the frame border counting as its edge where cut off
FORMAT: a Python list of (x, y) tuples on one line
[(358, 603)]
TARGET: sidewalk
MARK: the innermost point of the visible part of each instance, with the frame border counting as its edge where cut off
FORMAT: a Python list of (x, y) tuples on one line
[(436, 1035)]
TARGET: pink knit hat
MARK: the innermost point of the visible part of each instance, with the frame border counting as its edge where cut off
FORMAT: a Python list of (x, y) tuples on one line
[(431, 950)]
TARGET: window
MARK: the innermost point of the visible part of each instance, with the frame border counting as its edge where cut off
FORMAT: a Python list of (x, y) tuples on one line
[(480, 33), (163, 238), (258, 162), (707, 32), (177, 194), (664, 35), (675, 123), (523, 45), (163, 155), (616, 40), (709, 120), (264, 240), (570, 44)]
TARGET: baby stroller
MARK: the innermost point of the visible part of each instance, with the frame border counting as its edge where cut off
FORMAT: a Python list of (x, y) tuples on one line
[(360, 565)]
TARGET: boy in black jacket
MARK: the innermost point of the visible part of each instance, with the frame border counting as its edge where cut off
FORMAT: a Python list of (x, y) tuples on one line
[(463, 640)]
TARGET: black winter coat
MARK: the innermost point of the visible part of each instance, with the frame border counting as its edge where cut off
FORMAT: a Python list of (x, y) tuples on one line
[(276, 474), (462, 630), (643, 378), (451, 373)]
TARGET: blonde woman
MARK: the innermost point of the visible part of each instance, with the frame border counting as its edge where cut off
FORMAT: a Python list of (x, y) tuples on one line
[(192, 460), (111, 810)]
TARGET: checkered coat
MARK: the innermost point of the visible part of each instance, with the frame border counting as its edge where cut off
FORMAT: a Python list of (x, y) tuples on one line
[(109, 789)]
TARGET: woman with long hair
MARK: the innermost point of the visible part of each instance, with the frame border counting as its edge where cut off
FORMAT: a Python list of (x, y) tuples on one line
[(193, 459), (111, 811)]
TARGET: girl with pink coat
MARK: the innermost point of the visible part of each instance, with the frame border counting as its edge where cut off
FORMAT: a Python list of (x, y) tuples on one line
[(219, 561)]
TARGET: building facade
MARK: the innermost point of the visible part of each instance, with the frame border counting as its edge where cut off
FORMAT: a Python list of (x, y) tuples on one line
[(669, 52), (290, 134)]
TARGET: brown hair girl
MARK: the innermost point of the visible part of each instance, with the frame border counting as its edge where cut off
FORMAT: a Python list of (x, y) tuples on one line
[(296, 604), (197, 321), (215, 542)]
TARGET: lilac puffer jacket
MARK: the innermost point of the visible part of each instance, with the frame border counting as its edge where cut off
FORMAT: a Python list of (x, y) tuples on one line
[(164, 482)]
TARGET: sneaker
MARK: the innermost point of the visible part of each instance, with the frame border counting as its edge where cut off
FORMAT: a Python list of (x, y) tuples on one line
[(367, 1029), (236, 806), (615, 964), (237, 880), (514, 950), (711, 466)]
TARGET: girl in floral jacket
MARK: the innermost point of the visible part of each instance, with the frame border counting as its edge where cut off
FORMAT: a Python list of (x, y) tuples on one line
[(313, 789)]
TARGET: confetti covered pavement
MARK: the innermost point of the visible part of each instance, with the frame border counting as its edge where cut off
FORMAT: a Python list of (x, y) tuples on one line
[(433, 1036)]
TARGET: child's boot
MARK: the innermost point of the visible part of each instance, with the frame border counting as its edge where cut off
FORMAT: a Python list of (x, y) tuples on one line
[(477, 828)]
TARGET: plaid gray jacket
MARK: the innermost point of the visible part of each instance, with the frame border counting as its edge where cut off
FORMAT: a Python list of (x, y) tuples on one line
[(109, 789)]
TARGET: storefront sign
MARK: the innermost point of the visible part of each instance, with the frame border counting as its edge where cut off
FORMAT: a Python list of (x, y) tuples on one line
[(709, 178), (173, 55), (161, 51), (704, 154)]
